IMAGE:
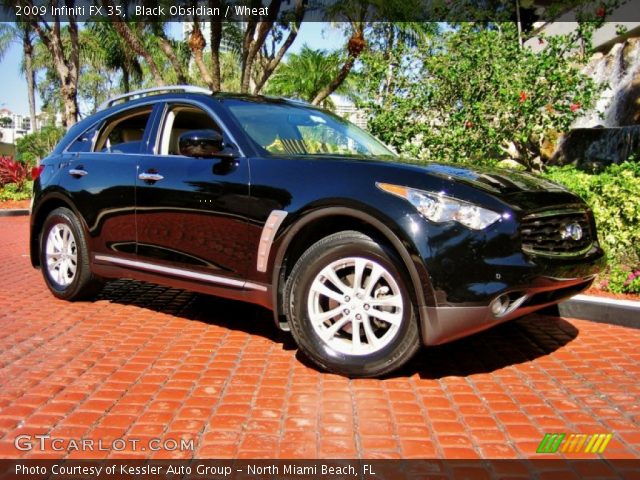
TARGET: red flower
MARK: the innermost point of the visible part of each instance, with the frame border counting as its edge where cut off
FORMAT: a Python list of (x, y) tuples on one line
[(523, 96), (601, 12), (574, 107), (468, 124), (540, 41)]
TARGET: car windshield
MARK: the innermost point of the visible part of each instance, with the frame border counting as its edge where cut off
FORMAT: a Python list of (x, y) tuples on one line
[(286, 129)]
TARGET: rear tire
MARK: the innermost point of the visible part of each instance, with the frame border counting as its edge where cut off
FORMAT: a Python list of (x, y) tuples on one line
[(350, 308), (64, 257)]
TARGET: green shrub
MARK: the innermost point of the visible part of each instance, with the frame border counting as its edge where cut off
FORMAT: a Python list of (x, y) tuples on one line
[(32, 148), (472, 94), (14, 191), (622, 279), (614, 197)]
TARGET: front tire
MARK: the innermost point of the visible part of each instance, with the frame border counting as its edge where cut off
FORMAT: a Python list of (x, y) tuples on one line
[(64, 257), (349, 306)]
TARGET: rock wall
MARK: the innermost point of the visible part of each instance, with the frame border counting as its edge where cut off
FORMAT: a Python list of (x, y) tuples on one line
[(594, 148)]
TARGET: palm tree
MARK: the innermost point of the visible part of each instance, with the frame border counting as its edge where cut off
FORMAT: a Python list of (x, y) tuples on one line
[(304, 74), (110, 51), (23, 33), (362, 16)]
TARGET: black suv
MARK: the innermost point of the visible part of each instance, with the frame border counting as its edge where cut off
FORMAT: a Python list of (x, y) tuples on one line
[(361, 254)]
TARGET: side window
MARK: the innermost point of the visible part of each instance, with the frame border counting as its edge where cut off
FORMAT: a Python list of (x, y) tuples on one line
[(181, 119), (123, 134), (85, 141)]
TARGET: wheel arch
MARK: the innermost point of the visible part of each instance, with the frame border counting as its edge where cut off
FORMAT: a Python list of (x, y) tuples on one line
[(328, 220), (38, 216)]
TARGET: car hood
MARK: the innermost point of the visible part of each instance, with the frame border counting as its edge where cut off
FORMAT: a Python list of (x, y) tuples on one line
[(521, 190), (492, 180)]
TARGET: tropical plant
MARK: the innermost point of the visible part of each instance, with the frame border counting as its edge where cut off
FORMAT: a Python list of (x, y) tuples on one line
[(12, 171), (473, 94), (105, 47), (32, 148), (361, 18), (229, 72), (261, 46), (23, 33), (319, 67)]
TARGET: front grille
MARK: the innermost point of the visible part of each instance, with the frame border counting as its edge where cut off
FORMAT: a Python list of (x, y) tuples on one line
[(556, 233)]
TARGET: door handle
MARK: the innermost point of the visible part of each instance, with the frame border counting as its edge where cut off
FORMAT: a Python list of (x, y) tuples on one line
[(78, 172), (150, 177)]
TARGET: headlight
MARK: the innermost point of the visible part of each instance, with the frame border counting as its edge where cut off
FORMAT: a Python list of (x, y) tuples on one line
[(439, 208)]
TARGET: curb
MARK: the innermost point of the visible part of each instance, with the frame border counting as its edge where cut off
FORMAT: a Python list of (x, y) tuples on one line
[(625, 313), (14, 212)]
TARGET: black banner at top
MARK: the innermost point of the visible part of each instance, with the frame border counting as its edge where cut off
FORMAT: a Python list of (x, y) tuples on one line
[(526, 11)]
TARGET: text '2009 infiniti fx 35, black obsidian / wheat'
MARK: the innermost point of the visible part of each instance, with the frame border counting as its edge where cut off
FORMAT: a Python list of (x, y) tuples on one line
[(361, 254)]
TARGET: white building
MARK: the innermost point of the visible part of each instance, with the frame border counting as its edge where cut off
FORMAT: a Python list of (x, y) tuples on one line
[(13, 126), (348, 110)]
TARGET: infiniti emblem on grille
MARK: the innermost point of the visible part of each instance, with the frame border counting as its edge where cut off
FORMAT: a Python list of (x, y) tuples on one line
[(571, 230)]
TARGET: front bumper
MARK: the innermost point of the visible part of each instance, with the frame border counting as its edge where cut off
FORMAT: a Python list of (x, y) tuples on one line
[(480, 279), (444, 324)]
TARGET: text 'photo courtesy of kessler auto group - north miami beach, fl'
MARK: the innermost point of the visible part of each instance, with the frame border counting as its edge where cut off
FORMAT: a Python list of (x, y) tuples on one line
[(296, 239)]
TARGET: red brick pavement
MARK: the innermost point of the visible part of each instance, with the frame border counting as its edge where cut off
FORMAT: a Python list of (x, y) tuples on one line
[(144, 362)]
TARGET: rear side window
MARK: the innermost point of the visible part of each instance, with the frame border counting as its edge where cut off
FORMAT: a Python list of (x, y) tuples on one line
[(123, 133), (84, 142)]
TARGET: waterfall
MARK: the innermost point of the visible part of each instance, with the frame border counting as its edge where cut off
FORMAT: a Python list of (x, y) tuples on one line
[(616, 70)]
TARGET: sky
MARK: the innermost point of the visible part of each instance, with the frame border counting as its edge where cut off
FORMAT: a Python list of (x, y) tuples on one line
[(13, 86)]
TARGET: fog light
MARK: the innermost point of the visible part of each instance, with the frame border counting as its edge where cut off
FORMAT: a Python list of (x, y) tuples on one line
[(500, 305)]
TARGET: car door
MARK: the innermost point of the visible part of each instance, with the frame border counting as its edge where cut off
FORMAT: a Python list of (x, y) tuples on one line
[(101, 166), (191, 212)]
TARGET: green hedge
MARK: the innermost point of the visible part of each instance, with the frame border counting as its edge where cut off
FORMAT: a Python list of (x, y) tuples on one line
[(614, 197), (13, 191)]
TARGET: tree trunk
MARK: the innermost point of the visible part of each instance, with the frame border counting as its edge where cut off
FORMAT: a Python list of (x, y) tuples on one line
[(69, 99), (132, 41), (275, 61), (216, 39), (336, 82), (166, 47), (214, 43), (196, 44), (255, 37), (247, 40), (126, 85), (27, 47), (262, 31), (355, 46), (67, 65)]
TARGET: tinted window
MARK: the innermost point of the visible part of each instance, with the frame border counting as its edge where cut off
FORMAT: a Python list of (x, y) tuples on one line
[(123, 134), (181, 119), (298, 130), (85, 141)]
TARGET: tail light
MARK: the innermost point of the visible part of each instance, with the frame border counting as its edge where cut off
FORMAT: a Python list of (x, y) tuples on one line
[(36, 171)]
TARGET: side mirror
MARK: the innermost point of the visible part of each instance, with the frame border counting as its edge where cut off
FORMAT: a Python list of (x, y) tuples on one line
[(202, 144)]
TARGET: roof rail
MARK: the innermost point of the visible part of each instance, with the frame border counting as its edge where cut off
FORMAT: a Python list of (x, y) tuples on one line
[(152, 91)]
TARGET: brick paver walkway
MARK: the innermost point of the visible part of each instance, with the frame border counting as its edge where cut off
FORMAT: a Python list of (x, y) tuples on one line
[(145, 362)]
